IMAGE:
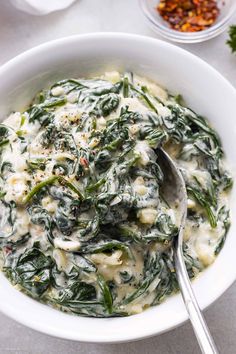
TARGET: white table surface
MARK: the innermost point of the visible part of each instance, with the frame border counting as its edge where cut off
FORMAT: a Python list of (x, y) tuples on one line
[(18, 32)]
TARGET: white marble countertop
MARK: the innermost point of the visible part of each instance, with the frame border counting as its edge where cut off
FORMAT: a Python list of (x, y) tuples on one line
[(18, 32)]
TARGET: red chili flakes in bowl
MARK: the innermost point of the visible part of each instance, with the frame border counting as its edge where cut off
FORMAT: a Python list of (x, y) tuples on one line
[(189, 15)]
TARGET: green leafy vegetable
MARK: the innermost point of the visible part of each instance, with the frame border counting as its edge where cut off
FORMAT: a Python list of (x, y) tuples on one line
[(32, 271), (232, 38), (107, 297), (50, 181), (204, 201)]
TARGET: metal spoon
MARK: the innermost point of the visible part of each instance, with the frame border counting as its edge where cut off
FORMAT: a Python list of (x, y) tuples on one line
[(174, 191)]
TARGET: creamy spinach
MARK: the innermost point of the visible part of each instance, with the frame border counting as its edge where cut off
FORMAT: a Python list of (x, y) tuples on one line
[(83, 225)]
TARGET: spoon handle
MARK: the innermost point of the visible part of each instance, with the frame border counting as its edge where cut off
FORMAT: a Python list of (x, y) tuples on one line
[(200, 327)]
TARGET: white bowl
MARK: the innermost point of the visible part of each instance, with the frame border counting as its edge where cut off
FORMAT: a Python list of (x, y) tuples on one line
[(204, 89)]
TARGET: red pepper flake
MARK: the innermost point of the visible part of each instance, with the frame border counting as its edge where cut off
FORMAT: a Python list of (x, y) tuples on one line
[(84, 162), (189, 15), (8, 249)]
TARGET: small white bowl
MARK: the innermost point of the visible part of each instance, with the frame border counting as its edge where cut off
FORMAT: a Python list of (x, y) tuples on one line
[(159, 25), (203, 88)]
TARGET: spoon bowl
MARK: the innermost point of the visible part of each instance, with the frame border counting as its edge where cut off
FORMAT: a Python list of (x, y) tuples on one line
[(173, 191)]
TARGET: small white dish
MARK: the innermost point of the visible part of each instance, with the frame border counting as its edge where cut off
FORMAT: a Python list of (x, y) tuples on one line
[(39, 7), (204, 90)]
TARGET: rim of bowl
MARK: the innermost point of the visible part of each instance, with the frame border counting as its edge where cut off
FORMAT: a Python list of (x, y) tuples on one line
[(7, 309), (181, 37)]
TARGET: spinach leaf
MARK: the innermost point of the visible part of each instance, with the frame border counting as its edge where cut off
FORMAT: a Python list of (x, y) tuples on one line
[(40, 216), (51, 180), (39, 114), (224, 217), (106, 293), (107, 245), (75, 293), (32, 271), (4, 132), (82, 263), (106, 104), (67, 210), (204, 199)]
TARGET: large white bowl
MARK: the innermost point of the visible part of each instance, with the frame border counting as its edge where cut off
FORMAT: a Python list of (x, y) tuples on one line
[(204, 89)]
